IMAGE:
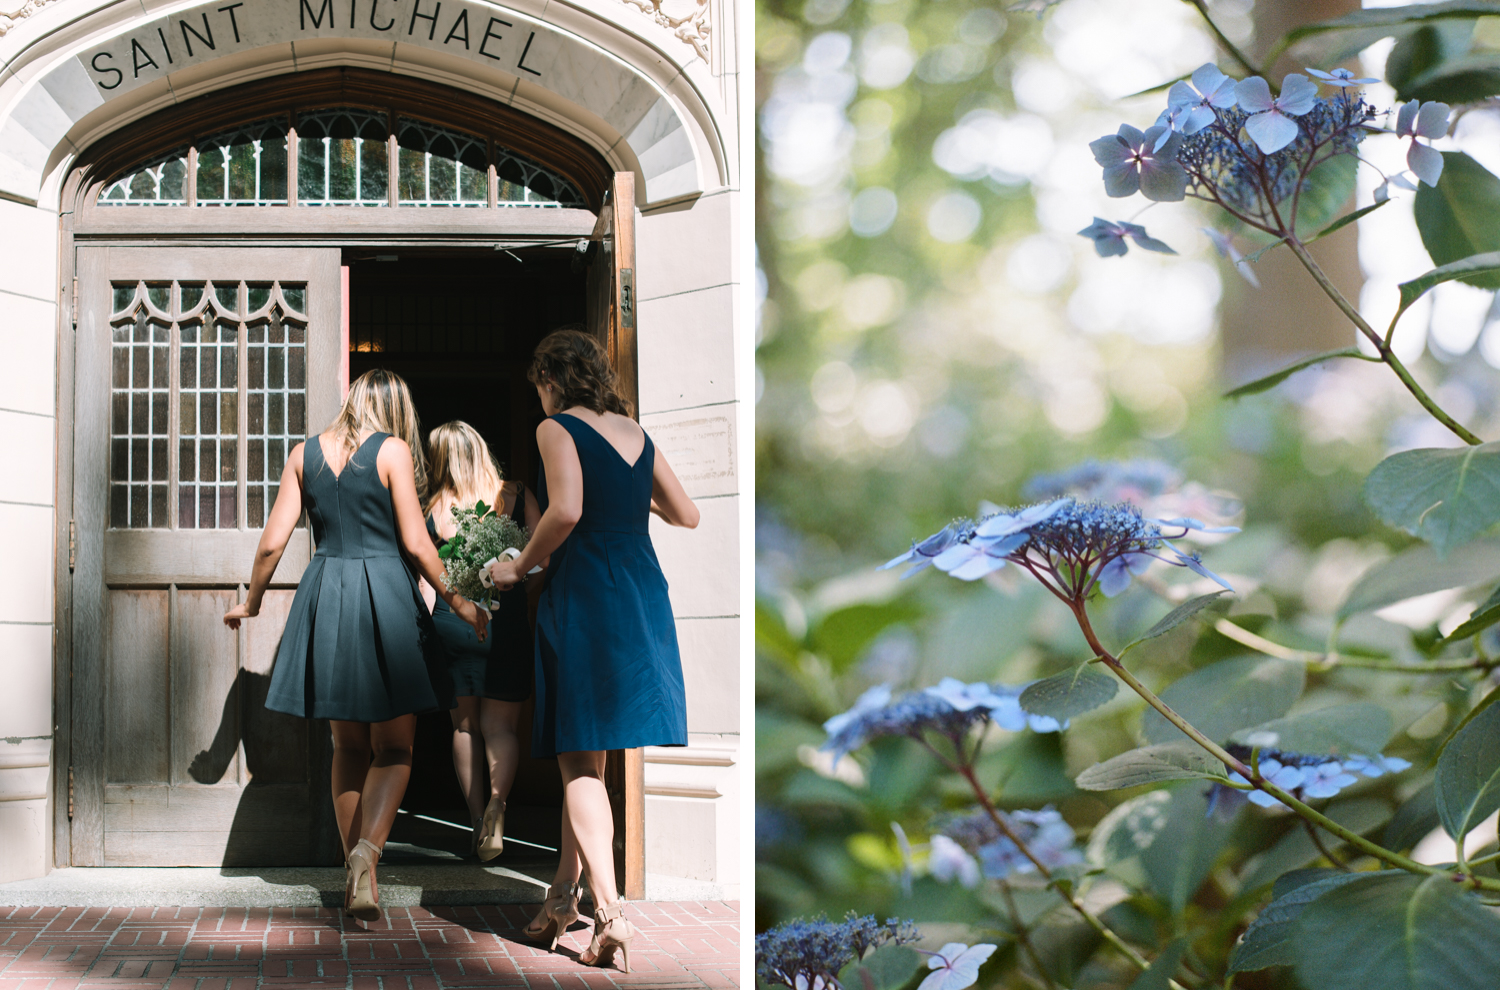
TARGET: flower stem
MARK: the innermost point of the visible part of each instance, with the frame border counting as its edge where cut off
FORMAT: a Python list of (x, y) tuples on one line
[(1326, 661), (1023, 936), (1229, 46), (1387, 354), (1238, 766)]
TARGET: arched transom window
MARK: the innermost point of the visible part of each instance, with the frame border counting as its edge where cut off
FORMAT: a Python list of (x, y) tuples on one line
[(342, 156)]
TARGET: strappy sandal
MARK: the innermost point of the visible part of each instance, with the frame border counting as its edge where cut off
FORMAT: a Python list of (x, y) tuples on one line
[(611, 932), (559, 910)]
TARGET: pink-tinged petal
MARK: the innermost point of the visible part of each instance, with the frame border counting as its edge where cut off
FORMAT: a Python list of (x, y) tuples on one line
[(1426, 162), (1432, 120), (1253, 94), (1406, 116), (1298, 94), (1271, 131)]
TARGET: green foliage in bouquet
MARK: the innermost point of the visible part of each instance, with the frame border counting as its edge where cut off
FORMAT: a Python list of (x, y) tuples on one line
[(482, 536)]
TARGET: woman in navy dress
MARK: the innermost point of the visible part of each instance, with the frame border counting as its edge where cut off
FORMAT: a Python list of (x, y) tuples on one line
[(360, 648), (491, 679), (608, 675)]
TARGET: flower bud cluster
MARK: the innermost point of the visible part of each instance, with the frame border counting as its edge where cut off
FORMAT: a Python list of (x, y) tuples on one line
[(808, 954), (1304, 775), (975, 836), (950, 708)]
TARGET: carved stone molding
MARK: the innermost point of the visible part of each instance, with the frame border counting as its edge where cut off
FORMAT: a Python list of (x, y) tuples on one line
[(9, 18), (687, 19)]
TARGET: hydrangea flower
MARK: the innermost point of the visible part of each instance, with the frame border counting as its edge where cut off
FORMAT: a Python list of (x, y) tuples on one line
[(1416, 119), (807, 955), (955, 966), (1109, 238), (1045, 833), (1342, 78), (947, 861), (950, 708), (1270, 125), (1108, 481), (1141, 162), (1304, 775), (1191, 106)]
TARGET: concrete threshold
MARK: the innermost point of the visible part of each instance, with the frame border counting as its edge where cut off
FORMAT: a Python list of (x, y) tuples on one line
[(401, 885)]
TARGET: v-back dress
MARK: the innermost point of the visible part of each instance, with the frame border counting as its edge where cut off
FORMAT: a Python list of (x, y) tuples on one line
[(608, 674), (359, 643), (500, 668)]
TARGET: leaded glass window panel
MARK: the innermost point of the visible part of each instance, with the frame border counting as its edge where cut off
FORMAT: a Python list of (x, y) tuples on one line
[(276, 399), (523, 181), (342, 158), (440, 167), (140, 411), (159, 183), (244, 167), (207, 440)]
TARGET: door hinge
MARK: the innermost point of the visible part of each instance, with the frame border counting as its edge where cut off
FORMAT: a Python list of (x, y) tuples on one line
[(72, 544), (70, 792), (75, 302)]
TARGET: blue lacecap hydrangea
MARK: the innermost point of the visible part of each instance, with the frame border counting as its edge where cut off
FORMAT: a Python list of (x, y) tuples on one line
[(1106, 480), (1049, 837), (807, 954), (1073, 547), (1306, 776), (950, 708)]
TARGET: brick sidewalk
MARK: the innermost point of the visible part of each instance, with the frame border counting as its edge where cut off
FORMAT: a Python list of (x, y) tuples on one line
[(680, 946)]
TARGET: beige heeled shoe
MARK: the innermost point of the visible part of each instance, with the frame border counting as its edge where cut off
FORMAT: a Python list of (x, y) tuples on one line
[(559, 910), (359, 893), (611, 932), (492, 832)]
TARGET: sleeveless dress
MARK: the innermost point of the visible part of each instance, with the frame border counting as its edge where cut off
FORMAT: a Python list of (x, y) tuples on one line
[(359, 643), (499, 668), (608, 675)]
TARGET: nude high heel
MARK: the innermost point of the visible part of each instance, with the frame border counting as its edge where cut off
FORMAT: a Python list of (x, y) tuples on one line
[(611, 932), (360, 891), (492, 835), (559, 910)]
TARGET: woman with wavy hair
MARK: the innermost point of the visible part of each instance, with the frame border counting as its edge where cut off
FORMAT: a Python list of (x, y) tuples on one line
[(492, 679), (608, 675), (360, 648)]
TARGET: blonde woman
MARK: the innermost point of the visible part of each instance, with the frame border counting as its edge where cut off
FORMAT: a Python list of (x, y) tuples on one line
[(608, 671), (359, 648), (491, 679)]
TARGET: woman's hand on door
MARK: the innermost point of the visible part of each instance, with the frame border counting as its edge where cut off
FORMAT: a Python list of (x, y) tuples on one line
[(241, 611)]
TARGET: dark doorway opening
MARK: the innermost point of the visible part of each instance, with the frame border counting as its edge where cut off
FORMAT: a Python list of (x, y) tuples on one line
[(460, 326)]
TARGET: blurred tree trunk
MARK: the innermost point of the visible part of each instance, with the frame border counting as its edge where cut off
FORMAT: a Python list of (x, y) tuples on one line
[(1288, 315)]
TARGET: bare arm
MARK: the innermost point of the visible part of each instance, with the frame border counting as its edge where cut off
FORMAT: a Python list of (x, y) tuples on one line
[(273, 539), (564, 504), (668, 498), (397, 474)]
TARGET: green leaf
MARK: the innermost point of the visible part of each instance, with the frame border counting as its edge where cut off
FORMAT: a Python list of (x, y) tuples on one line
[(1467, 785), (1073, 692), (1152, 765), (1346, 220), (887, 968), (446, 550), (1295, 848), (1392, 19), (481, 510), (1486, 615), (1397, 932), (1227, 696), (1444, 496), (1277, 377), (1158, 975), (1465, 79), (1338, 730), (841, 636), (772, 635), (1413, 821), (1183, 855), (1129, 829), (1474, 713), (1424, 49), (1472, 265), (1325, 192), (1457, 217), (1268, 940), (1418, 571), (1176, 617)]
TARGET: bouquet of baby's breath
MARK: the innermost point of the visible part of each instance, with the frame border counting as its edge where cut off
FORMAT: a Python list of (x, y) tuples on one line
[(483, 537)]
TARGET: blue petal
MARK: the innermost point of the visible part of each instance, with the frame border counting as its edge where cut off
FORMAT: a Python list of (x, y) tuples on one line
[(1271, 131)]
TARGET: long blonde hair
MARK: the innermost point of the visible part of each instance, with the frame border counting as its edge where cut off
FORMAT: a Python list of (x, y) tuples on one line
[(379, 401), (462, 465)]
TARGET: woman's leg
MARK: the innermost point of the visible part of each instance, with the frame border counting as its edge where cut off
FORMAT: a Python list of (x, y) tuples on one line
[(385, 784), (468, 753), (498, 721), (351, 762), (592, 823)]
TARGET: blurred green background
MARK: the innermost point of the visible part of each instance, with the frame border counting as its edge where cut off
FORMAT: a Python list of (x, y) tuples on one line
[(933, 332)]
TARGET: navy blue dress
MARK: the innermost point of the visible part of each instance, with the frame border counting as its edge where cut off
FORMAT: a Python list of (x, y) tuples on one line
[(500, 667), (608, 675), (359, 643)]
